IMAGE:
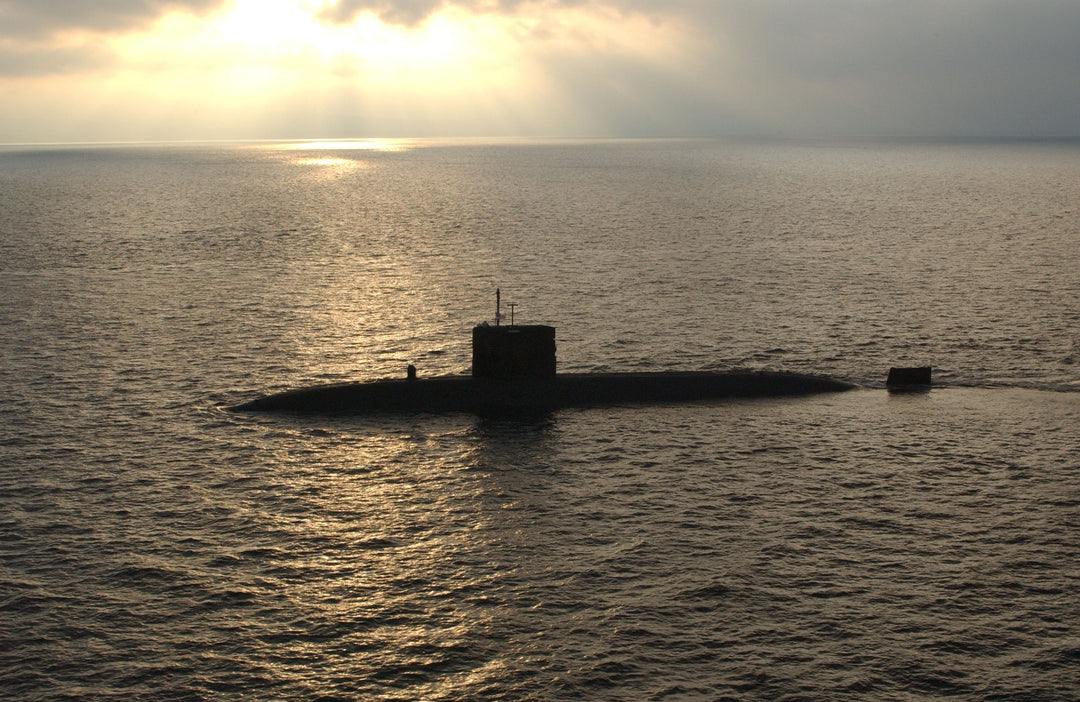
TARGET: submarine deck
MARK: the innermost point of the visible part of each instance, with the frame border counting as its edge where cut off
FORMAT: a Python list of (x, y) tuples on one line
[(493, 397)]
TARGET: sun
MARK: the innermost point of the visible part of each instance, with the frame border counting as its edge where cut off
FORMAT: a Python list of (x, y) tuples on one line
[(281, 69), (253, 45), (272, 68), (289, 36)]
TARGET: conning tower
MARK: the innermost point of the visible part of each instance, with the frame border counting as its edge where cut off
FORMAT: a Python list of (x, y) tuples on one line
[(512, 352)]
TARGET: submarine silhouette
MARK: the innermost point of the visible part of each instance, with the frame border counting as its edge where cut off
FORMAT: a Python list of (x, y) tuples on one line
[(513, 371)]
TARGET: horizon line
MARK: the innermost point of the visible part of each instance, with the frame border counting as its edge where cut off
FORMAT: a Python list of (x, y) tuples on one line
[(703, 137)]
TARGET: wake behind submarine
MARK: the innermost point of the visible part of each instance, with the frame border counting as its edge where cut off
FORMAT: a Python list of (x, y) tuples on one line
[(513, 372)]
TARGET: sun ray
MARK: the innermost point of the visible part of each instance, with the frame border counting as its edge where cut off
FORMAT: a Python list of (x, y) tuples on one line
[(275, 68)]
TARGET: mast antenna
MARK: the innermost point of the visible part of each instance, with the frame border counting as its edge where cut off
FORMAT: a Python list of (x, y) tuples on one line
[(498, 302)]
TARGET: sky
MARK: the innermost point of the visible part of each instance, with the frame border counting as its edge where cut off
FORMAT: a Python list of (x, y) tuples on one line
[(153, 70)]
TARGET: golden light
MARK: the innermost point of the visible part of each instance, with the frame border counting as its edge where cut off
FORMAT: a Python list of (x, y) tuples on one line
[(311, 153), (334, 162), (286, 39), (347, 145), (265, 68)]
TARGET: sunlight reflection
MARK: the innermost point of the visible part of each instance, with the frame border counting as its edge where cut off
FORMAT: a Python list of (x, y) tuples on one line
[(313, 156), (329, 161), (347, 145)]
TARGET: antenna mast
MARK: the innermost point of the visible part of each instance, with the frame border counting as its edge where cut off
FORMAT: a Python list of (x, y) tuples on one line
[(498, 302)]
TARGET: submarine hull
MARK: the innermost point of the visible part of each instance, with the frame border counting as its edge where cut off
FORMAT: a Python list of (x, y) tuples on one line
[(500, 397)]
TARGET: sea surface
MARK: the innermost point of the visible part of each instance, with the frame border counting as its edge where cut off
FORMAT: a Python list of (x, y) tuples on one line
[(865, 545)]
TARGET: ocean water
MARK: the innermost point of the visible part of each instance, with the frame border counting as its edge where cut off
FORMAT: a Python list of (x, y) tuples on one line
[(866, 545)]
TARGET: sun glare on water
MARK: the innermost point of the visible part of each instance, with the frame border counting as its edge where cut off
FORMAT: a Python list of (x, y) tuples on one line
[(330, 153), (346, 145)]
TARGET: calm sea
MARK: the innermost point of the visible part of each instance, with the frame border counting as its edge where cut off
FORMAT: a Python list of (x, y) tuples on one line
[(154, 545)]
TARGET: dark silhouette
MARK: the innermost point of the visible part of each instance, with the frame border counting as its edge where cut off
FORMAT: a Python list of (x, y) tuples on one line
[(514, 372), (916, 378)]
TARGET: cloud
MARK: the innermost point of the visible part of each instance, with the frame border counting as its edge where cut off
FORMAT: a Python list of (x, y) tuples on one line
[(966, 67), (563, 67), (404, 12), (58, 37), (410, 13), (35, 18), (51, 60)]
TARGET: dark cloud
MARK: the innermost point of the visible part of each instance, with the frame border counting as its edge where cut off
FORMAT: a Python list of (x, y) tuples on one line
[(33, 18), (410, 13), (964, 67), (404, 12), (845, 38)]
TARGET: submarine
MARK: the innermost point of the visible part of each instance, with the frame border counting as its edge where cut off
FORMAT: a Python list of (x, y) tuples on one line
[(514, 372)]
